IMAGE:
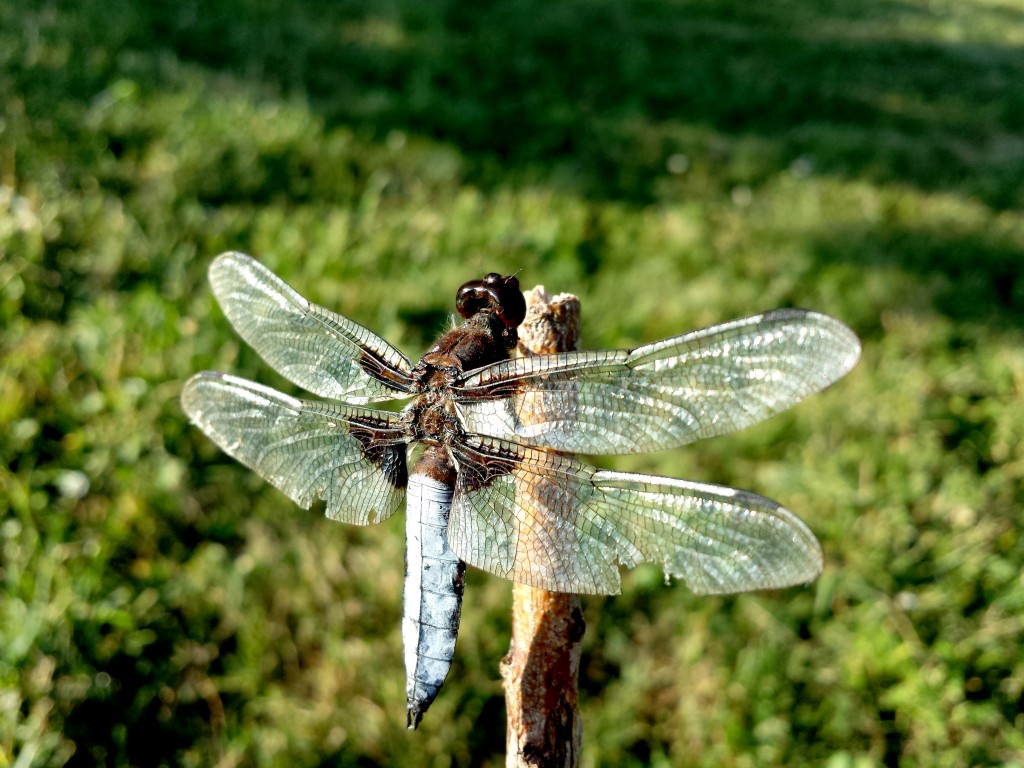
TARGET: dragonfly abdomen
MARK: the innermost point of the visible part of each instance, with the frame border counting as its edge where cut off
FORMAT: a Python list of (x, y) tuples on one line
[(433, 592)]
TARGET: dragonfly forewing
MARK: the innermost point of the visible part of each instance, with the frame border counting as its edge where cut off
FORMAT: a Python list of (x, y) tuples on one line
[(320, 351), (661, 395)]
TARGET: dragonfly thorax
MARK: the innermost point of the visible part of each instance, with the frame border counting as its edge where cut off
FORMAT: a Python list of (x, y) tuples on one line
[(431, 418)]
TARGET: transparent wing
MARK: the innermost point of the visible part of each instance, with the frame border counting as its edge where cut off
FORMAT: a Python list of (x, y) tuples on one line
[(552, 522), (321, 351), (662, 395), (352, 458)]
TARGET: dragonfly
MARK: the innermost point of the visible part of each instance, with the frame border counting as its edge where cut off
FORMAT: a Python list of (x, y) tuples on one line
[(493, 484)]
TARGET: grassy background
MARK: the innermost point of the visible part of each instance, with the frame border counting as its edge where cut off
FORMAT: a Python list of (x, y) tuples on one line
[(675, 163)]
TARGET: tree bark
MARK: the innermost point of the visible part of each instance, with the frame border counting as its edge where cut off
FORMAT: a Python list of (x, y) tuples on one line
[(541, 669)]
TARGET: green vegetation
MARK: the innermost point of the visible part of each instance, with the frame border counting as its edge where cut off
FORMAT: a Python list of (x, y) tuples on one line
[(675, 163)]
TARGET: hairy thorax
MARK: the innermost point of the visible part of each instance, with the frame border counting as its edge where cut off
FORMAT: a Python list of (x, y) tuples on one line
[(482, 340)]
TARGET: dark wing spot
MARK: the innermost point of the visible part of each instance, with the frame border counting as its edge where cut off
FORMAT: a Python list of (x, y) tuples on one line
[(377, 441), (379, 369), (478, 470)]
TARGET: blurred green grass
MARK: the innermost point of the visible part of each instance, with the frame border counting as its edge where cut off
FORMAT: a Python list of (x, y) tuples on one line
[(673, 163)]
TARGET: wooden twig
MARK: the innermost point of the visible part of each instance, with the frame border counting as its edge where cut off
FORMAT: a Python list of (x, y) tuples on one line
[(542, 666)]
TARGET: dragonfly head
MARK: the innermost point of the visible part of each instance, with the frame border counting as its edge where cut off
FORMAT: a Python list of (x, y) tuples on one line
[(494, 292)]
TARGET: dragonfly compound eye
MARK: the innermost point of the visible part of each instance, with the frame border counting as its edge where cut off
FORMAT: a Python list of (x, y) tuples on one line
[(496, 292)]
